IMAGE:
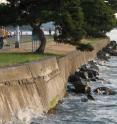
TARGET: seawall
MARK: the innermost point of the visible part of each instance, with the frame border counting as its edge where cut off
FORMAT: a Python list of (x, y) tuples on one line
[(39, 85)]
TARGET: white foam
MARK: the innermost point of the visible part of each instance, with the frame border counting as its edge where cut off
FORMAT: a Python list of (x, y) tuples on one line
[(24, 116)]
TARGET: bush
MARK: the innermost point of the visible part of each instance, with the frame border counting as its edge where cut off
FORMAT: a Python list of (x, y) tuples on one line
[(85, 47)]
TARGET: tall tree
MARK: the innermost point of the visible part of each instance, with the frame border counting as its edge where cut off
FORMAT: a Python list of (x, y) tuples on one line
[(66, 14), (70, 19), (113, 4), (99, 17)]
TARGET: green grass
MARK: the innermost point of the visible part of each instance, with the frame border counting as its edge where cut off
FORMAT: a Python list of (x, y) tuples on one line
[(91, 41), (9, 59)]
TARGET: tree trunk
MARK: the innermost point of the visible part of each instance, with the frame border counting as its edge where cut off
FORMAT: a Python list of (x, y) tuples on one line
[(40, 34), (42, 38)]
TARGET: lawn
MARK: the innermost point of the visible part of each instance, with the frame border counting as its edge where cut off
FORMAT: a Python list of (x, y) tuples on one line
[(58, 50), (91, 41), (9, 59)]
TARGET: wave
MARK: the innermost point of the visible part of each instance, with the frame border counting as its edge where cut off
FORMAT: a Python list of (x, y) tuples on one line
[(24, 117)]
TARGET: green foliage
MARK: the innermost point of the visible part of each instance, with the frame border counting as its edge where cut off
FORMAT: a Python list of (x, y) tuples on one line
[(70, 18), (7, 16), (66, 14), (85, 47), (99, 17), (113, 4), (73, 18)]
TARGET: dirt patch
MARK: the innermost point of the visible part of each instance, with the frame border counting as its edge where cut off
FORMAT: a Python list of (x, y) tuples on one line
[(52, 47)]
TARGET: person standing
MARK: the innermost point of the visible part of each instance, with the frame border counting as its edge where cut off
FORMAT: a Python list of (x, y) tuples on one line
[(1, 38), (50, 31)]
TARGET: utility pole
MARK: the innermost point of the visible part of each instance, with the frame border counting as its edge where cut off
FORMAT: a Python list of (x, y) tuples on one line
[(17, 43)]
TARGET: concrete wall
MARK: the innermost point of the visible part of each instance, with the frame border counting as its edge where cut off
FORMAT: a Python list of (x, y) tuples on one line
[(38, 85)]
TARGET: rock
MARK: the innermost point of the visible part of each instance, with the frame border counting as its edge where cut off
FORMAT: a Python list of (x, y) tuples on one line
[(112, 43), (73, 78), (110, 48), (107, 49), (113, 53), (93, 65), (88, 73), (90, 97), (92, 74), (103, 55), (77, 77), (82, 74), (83, 67), (70, 88), (104, 91), (81, 88)]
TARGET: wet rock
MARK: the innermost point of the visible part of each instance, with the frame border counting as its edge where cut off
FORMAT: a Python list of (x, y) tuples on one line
[(92, 74), (81, 88), (77, 77), (113, 53), (82, 74), (110, 49), (107, 49), (90, 97), (93, 65), (89, 74), (73, 78), (102, 55), (112, 43), (104, 91), (70, 88)]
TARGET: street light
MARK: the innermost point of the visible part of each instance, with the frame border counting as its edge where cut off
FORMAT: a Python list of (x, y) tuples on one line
[(17, 43)]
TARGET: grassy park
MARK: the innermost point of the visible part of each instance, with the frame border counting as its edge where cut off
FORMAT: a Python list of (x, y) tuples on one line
[(75, 22), (9, 59), (15, 56)]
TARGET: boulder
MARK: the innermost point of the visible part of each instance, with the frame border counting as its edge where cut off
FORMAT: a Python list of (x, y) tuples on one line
[(93, 65), (104, 91), (82, 74), (102, 55), (81, 88), (90, 97), (74, 78), (112, 43), (113, 53)]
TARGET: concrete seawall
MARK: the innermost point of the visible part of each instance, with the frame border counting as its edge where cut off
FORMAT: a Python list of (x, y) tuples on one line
[(38, 85)]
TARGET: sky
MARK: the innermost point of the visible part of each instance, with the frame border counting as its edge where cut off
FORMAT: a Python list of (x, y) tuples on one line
[(2, 1)]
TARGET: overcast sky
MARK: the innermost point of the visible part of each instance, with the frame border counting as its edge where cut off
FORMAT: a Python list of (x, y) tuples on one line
[(2, 1)]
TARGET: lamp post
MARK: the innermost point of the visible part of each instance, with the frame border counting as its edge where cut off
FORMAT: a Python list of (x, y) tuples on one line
[(17, 43)]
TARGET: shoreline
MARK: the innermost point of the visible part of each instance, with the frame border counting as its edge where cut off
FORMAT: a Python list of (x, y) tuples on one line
[(39, 85)]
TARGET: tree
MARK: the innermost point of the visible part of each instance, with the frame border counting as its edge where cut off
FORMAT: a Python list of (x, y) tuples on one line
[(67, 14), (7, 15), (70, 20), (99, 17), (113, 4)]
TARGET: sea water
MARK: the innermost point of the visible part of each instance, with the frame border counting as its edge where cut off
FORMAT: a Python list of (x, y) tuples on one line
[(101, 111), (73, 111)]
